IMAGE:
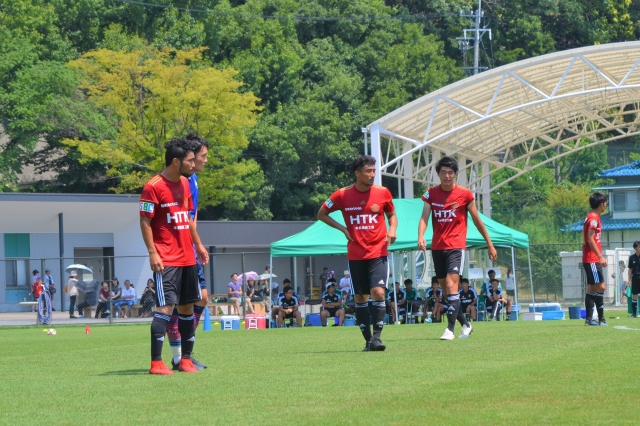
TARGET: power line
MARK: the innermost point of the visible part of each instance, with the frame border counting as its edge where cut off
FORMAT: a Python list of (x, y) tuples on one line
[(424, 16)]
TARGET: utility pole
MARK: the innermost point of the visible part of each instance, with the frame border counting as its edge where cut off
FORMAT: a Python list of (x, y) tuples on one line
[(464, 41)]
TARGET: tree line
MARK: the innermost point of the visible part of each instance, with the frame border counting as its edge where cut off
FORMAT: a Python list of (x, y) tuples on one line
[(92, 89)]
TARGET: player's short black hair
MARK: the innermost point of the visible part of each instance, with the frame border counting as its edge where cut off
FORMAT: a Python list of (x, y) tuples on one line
[(636, 244), (331, 280), (408, 281), (491, 271), (464, 280), (287, 289), (196, 142), (363, 160), (286, 281), (434, 280), (235, 273), (495, 280), (176, 148), (596, 199), (447, 161)]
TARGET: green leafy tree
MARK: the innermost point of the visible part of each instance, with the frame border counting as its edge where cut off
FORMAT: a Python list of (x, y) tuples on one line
[(152, 96)]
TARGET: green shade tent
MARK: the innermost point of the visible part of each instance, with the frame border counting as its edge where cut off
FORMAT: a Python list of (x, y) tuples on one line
[(320, 239)]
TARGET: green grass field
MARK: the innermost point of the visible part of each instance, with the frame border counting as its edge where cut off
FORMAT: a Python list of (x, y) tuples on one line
[(551, 372)]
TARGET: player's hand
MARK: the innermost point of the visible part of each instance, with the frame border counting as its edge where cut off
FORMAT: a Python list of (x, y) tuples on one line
[(422, 243), (203, 255), (155, 262), (493, 254), (391, 238), (346, 234), (603, 262)]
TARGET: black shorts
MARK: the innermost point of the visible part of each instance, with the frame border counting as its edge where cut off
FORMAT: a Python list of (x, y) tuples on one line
[(289, 315), (366, 274), (177, 285), (332, 311), (447, 262), (635, 285), (594, 273), (464, 306)]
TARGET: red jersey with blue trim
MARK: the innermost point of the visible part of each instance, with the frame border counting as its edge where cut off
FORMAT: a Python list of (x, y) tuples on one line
[(591, 222), (364, 216), (167, 204), (449, 216)]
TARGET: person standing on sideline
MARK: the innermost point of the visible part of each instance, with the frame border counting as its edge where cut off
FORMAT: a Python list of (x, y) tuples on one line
[(449, 204), (72, 291), (362, 206), (592, 259), (50, 285), (169, 235), (345, 285), (200, 149), (634, 277)]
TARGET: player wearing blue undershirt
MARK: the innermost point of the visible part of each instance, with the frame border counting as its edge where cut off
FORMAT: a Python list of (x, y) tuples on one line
[(200, 149)]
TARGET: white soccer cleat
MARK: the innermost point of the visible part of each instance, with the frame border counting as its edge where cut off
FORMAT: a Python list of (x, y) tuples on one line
[(447, 335), (466, 331)]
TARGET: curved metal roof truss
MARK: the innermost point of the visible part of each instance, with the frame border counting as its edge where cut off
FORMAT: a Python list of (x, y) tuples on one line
[(517, 117)]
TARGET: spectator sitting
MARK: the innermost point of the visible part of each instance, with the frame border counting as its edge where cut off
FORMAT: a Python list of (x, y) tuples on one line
[(128, 298), (116, 292), (401, 298), (412, 296), (250, 294), (148, 299), (495, 301), (331, 304), (234, 293), (274, 311), (433, 300), (487, 283), (345, 285), (289, 307), (103, 301), (468, 299)]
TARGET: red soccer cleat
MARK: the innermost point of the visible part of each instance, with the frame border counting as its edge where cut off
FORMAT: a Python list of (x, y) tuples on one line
[(159, 367), (186, 366)]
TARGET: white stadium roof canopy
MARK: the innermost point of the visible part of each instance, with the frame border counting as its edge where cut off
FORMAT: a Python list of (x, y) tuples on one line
[(501, 118)]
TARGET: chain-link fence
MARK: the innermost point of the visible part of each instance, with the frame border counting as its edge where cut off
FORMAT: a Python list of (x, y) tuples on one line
[(556, 273)]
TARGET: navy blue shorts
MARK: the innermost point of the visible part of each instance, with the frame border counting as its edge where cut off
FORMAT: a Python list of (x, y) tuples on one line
[(594, 273)]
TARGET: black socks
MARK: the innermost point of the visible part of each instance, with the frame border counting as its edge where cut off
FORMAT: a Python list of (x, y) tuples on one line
[(634, 306), (158, 330), (598, 299), (187, 329), (588, 303), (363, 317), (452, 313), (378, 311)]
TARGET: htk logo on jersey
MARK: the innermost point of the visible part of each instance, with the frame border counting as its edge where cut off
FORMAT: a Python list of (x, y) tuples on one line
[(363, 219), (446, 214), (178, 217)]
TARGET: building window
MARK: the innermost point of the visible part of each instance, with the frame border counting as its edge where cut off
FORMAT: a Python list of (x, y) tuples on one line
[(626, 201), (619, 201), (17, 272)]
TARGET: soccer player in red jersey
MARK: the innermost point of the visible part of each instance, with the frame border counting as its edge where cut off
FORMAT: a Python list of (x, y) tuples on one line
[(169, 234), (592, 258), (449, 204), (362, 206)]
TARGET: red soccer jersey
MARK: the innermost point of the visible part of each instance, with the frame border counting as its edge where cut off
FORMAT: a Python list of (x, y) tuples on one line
[(449, 216), (168, 204), (363, 214), (591, 222), (36, 289)]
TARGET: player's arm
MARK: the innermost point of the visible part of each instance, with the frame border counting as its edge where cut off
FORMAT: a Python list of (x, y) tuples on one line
[(393, 225), (591, 240), (147, 236), (203, 255), (422, 226), (323, 215), (325, 304), (473, 211), (630, 274)]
